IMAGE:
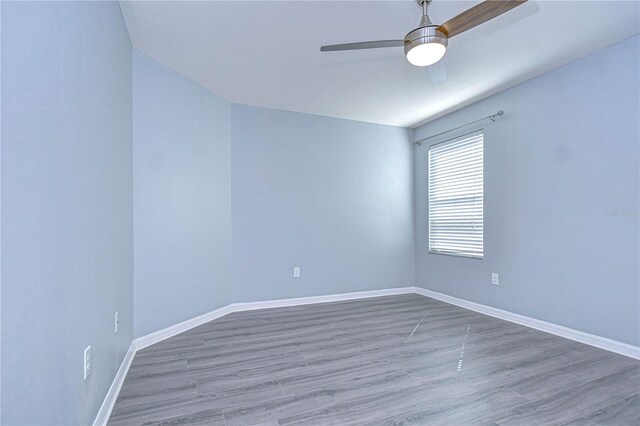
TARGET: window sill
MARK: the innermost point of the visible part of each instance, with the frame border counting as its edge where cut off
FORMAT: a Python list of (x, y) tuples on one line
[(467, 256)]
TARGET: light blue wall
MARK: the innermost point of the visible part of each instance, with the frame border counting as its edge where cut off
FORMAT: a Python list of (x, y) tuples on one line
[(66, 207), (182, 223), (331, 196), (564, 154)]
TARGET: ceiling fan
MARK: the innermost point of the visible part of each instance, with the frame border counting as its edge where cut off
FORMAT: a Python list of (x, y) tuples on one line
[(427, 44)]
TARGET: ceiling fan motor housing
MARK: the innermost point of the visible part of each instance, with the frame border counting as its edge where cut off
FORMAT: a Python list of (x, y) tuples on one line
[(424, 35)]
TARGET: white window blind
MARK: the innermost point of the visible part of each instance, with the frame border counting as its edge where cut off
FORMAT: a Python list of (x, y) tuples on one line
[(456, 196)]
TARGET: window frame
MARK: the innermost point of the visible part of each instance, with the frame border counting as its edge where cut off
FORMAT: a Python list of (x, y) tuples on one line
[(452, 140)]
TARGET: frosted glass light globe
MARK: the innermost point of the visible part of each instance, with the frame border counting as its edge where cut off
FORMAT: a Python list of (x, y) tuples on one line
[(426, 54)]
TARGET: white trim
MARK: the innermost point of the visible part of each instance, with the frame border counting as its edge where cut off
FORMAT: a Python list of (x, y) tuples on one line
[(112, 395), (160, 335), (568, 333), (281, 303), (165, 333)]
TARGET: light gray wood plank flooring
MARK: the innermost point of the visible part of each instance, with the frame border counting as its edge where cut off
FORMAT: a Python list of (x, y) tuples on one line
[(387, 360)]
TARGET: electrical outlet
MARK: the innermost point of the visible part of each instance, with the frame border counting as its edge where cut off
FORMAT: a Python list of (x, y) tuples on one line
[(296, 272), (87, 362), (495, 279), (116, 321)]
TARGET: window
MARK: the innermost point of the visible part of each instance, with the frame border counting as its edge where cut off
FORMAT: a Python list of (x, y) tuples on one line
[(456, 196)]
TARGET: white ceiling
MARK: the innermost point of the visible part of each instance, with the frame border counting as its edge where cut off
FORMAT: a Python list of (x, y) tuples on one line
[(267, 53)]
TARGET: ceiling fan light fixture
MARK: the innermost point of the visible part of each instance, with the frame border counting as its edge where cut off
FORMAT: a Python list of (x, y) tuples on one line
[(425, 46)]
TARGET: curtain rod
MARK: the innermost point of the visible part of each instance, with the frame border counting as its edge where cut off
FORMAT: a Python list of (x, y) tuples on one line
[(489, 117)]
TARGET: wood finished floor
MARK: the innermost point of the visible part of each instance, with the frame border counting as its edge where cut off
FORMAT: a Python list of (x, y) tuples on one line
[(402, 359)]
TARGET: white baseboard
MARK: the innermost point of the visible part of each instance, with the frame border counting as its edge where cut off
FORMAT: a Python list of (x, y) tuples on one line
[(281, 303), (112, 395), (158, 336), (165, 333), (569, 333)]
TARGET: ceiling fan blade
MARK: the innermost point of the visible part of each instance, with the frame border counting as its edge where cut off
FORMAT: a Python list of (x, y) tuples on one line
[(362, 45), (477, 15)]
